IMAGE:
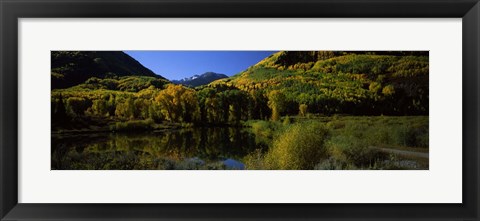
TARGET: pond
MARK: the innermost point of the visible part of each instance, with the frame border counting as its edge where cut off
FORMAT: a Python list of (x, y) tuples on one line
[(194, 148)]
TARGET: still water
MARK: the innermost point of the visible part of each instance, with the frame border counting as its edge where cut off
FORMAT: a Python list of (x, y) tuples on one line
[(195, 148)]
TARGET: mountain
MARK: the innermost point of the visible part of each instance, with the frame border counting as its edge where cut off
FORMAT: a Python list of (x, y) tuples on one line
[(348, 82), (203, 79), (70, 68)]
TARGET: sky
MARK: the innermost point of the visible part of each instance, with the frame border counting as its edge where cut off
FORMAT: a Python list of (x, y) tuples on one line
[(175, 65)]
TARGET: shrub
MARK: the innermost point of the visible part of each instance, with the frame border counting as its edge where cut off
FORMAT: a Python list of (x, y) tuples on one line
[(133, 125), (264, 128), (286, 121), (336, 124), (334, 164), (300, 147), (353, 150), (413, 136), (302, 110), (254, 160)]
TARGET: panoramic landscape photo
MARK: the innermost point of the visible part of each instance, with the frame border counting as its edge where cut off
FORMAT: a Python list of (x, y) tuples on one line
[(239, 110)]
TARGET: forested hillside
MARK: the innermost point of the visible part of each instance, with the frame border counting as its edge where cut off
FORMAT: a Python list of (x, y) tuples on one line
[(358, 83), (285, 83), (69, 68)]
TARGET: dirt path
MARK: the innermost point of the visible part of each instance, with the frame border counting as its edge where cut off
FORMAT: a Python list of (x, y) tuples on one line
[(402, 152)]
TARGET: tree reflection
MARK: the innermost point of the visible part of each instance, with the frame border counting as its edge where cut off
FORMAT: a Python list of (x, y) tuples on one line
[(196, 148)]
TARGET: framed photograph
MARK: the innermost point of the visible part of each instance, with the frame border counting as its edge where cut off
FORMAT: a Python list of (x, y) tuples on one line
[(255, 110)]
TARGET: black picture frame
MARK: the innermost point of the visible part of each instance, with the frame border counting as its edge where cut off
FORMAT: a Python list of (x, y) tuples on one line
[(12, 10)]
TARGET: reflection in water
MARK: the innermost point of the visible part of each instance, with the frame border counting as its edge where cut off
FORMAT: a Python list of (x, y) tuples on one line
[(233, 164), (197, 148)]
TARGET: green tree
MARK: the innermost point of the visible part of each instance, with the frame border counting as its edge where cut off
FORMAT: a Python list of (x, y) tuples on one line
[(111, 105), (59, 112), (302, 110), (374, 87), (125, 109), (276, 102), (178, 103), (388, 90), (212, 109), (99, 107), (76, 106)]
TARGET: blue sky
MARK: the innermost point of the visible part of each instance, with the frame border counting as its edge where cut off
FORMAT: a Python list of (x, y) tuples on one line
[(175, 65)]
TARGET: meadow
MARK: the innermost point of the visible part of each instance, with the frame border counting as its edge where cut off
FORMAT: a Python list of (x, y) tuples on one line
[(345, 142)]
